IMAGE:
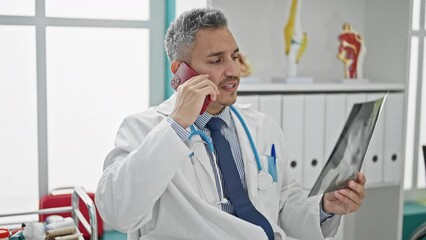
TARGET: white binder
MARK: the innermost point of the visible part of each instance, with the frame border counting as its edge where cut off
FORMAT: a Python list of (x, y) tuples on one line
[(271, 106), (249, 99), (335, 117), (373, 161), (393, 112), (292, 125), (313, 158)]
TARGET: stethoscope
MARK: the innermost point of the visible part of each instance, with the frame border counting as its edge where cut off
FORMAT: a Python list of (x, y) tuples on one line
[(264, 179)]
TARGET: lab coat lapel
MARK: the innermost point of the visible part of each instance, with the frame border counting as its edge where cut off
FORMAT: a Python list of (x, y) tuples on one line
[(249, 160), (201, 153), (199, 149)]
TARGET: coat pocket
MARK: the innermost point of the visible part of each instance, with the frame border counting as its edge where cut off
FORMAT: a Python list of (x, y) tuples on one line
[(268, 201)]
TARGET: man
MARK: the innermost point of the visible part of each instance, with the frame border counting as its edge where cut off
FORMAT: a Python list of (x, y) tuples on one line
[(158, 184)]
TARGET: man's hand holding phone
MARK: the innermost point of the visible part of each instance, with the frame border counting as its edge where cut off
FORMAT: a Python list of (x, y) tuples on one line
[(194, 95)]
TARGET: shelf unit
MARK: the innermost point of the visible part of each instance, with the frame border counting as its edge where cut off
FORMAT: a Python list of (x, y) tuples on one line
[(257, 26)]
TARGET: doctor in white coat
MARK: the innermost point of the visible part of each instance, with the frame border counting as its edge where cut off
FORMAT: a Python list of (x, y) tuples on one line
[(158, 184)]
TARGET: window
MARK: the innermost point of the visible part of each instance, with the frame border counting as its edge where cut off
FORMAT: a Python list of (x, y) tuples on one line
[(414, 182), (18, 121), (88, 96), (99, 9), (67, 80), (17, 7)]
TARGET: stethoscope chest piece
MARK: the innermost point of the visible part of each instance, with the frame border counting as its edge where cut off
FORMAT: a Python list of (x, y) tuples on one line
[(264, 181)]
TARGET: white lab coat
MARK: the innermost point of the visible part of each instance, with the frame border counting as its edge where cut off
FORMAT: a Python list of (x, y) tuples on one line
[(150, 190)]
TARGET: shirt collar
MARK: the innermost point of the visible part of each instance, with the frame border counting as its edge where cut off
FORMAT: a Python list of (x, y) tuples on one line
[(225, 115)]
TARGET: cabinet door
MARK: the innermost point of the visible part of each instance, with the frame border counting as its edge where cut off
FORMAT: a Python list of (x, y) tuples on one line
[(292, 125), (393, 114), (249, 99), (271, 106), (314, 125), (373, 161)]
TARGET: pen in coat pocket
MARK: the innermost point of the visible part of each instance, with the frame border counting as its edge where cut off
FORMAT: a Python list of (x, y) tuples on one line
[(273, 154)]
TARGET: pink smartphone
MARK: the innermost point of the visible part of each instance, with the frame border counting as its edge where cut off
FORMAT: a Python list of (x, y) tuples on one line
[(183, 73)]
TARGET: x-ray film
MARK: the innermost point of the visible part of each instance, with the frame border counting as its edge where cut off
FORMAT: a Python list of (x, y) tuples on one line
[(348, 154)]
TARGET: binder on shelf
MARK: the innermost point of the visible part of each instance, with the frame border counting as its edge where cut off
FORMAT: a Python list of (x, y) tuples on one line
[(335, 115), (271, 106), (314, 123), (393, 160), (293, 117), (373, 161)]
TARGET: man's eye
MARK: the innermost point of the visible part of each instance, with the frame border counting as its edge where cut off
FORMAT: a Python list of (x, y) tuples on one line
[(216, 61), (235, 57)]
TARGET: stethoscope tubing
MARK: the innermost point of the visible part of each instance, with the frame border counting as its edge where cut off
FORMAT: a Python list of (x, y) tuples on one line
[(253, 147), (264, 179), (205, 138)]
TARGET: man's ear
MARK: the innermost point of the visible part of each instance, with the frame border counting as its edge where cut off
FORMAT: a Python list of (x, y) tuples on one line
[(175, 65)]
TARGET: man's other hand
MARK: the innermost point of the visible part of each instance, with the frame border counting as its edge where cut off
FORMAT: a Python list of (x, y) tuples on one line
[(346, 200)]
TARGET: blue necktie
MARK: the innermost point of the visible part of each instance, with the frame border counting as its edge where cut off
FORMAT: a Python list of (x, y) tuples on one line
[(236, 194)]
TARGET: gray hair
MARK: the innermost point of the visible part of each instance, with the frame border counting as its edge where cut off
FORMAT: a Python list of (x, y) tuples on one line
[(180, 36)]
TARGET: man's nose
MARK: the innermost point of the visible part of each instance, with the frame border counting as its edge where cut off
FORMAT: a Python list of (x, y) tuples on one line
[(231, 69)]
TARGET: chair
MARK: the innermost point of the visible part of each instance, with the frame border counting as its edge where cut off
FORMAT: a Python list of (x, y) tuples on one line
[(419, 233)]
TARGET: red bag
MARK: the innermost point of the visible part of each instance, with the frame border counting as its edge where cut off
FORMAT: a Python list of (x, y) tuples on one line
[(64, 200)]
